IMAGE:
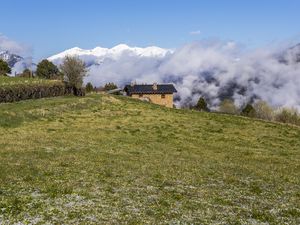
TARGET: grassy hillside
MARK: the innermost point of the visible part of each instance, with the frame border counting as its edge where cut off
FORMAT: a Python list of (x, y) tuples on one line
[(114, 160), (12, 81)]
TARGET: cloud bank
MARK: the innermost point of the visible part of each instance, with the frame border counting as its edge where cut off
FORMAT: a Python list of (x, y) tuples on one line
[(14, 47), (17, 55), (215, 70)]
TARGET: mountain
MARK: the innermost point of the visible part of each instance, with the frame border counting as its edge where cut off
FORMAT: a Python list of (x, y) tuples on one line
[(290, 55), (98, 54), (17, 63), (210, 70), (10, 58)]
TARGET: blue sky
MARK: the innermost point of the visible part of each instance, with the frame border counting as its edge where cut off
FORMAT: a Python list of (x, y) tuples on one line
[(51, 26)]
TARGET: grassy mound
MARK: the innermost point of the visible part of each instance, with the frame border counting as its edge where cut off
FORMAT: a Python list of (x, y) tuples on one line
[(16, 88), (104, 159)]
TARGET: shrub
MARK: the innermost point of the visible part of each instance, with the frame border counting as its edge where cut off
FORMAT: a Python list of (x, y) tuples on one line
[(263, 110), (249, 111), (286, 115), (26, 74), (201, 105), (70, 89), (89, 87), (47, 70), (18, 92), (228, 106), (110, 86)]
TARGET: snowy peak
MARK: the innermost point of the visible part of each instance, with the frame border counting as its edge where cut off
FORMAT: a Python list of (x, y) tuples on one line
[(113, 53), (10, 58), (120, 48)]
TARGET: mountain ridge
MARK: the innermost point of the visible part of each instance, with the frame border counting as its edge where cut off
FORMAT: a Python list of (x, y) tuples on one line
[(10, 58), (114, 52)]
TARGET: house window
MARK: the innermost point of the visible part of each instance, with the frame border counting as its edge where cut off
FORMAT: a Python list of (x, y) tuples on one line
[(163, 96), (140, 95)]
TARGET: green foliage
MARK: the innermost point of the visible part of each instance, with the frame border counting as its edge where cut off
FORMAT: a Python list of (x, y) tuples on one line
[(263, 110), (17, 89), (228, 106), (110, 86), (26, 73), (249, 111), (74, 70), (46, 69), (89, 87), (4, 68), (201, 105)]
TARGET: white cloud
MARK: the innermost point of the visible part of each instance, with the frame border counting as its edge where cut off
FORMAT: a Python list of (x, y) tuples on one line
[(196, 32), (213, 69), (7, 44)]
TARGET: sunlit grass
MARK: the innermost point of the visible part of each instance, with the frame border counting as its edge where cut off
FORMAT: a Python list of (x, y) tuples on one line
[(105, 159), (11, 81)]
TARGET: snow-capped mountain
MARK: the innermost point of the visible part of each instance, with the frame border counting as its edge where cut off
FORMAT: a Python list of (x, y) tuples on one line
[(17, 63), (211, 70), (99, 53), (10, 58)]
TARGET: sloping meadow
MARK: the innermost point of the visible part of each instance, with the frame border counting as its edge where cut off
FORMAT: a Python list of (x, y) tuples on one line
[(104, 159)]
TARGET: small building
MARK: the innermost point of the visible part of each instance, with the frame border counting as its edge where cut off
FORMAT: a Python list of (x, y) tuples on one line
[(161, 94)]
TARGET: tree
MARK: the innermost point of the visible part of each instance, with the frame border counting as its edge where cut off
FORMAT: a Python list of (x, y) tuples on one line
[(228, 106), (4, 68), (89, 87), (249, 111), (26, 73), (263, 110), (74, 71), (110, 86), (46, 69), (201, 105), (288, 115)]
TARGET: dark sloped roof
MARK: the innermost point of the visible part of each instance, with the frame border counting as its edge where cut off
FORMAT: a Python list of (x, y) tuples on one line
[(148, 89)]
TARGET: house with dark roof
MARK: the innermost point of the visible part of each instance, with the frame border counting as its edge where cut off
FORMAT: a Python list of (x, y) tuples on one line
[(161, 94)]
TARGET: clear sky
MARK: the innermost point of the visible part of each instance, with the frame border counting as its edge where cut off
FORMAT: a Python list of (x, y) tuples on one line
[(51, 26)]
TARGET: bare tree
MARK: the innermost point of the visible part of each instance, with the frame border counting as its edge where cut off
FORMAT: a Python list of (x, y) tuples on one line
[(228, 106), (74, 71), (263, 110)]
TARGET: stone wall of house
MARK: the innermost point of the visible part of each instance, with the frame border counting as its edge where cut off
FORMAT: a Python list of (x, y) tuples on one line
[(167, 100)]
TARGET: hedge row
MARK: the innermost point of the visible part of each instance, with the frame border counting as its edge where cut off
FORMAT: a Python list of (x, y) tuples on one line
[(25, 91)]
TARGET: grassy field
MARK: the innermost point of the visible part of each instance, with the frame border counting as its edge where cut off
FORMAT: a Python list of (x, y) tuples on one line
[(104, 159)]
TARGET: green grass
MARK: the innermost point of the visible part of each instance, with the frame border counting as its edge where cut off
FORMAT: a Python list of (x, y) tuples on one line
[(104, 159), (12, 81)]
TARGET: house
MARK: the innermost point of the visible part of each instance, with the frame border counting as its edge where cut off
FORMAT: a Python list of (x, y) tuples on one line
[(161, 94)]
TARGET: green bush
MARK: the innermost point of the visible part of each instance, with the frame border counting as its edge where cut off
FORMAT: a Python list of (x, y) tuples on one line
[(4, 68), (249, 111), (10, 91), (47, 70), (89, 87), (26, 73), (201, 105), (110, 86)]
